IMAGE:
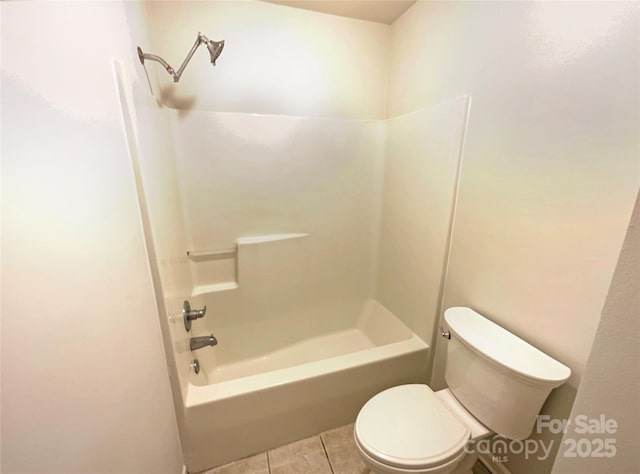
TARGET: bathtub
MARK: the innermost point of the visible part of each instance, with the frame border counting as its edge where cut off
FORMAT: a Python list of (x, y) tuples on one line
[(255, 393)]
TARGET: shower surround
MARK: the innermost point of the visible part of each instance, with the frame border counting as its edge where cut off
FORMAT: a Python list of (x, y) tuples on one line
[(294, 232)]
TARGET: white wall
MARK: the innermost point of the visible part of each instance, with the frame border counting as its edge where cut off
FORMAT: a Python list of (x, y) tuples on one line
[(550, 163), (84, 381), (421, 169), (611, 382), (277, 59)]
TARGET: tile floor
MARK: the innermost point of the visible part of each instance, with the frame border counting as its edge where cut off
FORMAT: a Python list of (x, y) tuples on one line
[(331, 452)]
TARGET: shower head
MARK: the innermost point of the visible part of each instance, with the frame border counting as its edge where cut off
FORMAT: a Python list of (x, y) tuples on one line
[(215, 48)]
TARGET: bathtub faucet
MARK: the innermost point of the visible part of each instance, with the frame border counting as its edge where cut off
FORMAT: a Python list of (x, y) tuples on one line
[(202, 341)]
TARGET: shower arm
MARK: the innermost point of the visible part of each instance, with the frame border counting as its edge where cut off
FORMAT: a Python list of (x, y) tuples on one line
[(176, 75)]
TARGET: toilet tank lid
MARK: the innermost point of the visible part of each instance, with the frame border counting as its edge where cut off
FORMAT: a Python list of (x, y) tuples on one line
[(504, 348)]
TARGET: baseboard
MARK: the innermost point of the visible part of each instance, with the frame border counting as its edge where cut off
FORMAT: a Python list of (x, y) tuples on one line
[(494, 467)]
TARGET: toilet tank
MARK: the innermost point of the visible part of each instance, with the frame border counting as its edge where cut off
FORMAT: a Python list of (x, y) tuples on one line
[(501, 379)]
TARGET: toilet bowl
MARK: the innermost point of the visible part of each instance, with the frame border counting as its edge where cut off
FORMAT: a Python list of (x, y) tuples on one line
[(496, 383), (411, 429)]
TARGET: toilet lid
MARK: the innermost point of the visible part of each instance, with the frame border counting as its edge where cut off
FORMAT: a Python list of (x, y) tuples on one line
[(407, 426)]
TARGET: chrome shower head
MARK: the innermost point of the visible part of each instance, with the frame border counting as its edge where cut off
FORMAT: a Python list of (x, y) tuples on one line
[(215, 48)]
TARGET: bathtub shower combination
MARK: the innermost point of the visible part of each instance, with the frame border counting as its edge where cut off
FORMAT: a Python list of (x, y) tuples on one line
[(279, 247), (245, 401)]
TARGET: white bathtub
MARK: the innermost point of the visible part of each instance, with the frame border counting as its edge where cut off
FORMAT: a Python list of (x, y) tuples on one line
[(255, 392)]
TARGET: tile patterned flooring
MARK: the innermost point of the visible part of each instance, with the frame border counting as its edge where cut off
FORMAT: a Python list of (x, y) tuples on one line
[(331, 452)]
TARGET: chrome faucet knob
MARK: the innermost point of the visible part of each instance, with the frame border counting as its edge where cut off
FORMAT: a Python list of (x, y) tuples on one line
[(196, 313), (189, 314)]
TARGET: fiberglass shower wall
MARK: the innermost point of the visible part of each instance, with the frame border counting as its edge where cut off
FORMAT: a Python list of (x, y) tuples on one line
[(307, 191), (338, 210), (423, 159)]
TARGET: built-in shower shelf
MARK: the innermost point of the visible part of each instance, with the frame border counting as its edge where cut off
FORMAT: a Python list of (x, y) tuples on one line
[(230, 252), (214, 288), (247, 258), (263, 239), (196, 255)]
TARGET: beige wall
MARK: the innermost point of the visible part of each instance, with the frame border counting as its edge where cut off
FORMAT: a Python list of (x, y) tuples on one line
[(611, 381), (550, 160), (84, 380), (277, 59)]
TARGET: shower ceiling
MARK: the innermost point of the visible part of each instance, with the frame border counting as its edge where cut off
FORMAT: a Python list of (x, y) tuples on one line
[(381, 11)]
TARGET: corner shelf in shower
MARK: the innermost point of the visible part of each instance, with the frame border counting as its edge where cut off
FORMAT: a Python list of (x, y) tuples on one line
[(263, 239), (214, 288), (197, 256)]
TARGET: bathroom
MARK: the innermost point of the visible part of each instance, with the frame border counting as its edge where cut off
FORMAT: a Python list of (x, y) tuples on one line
[(307, 130)]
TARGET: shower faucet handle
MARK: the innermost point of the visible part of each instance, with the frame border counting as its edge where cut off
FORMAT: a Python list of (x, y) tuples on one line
[(196, 313), (191, 314)]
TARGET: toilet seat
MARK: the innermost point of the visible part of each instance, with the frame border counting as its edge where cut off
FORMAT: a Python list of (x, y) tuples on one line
[(409, 428)]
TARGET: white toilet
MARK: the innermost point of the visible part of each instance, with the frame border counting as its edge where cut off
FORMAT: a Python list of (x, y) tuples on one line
[(497, 384)]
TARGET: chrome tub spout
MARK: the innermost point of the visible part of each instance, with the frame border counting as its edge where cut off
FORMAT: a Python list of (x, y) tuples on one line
[(202, 341)]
